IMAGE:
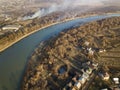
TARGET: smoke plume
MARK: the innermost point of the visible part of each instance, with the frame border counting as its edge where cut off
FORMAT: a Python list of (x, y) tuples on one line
[(66, 4)]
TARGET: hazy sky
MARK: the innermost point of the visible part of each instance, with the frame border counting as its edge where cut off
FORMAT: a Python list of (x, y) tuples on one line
[(73, 2), (56, 5), (90, 2), (94, 2)]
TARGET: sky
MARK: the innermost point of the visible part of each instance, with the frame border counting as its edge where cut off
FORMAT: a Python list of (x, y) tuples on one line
[(94, 2), (90, 2)]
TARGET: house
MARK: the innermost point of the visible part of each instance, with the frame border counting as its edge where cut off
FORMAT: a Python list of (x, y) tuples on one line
[(92, 67), (82, 80), (70, 84), (116, 80), (67, 88), (104, 89), (90, 51), (73, 88), (88, 62), (88, 70), (74, 79), (104, 75), (86, 43), (11, 27), (95, 65), (86, 76), (78, 85), (102, 50)]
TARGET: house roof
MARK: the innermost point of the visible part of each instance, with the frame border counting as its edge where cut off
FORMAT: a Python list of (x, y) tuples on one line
[(85, 75), (116, 79), (78, 84), (81, 78), (104, 89)]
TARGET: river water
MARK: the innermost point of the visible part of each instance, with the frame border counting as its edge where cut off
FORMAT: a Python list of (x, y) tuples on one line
[(13, 59)]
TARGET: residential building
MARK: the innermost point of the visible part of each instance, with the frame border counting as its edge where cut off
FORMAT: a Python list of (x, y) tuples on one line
[(82, 80), (86, 43), (104, 75), (116, 80), (88, 70), (77, 85), (104, 89), (102, 50), (86, 76), (11, 27)]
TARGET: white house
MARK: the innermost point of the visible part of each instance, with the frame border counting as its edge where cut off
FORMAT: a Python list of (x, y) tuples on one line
[(82, 80), (11, 27), (87, 43), (116, 80), (95, 65), (90, 51), (102, 50), (78, 85), (86, 76)]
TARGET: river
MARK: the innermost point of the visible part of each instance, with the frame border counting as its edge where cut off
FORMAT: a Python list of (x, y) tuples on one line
[(13, 60)]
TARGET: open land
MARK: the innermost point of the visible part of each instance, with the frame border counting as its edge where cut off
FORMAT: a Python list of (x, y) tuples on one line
[(73, 59)]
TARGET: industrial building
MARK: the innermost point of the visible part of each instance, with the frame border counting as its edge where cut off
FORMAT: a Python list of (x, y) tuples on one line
[(11, 27)]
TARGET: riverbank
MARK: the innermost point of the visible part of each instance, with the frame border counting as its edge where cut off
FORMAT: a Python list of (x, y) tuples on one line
[(24, 36), (34, 31)]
